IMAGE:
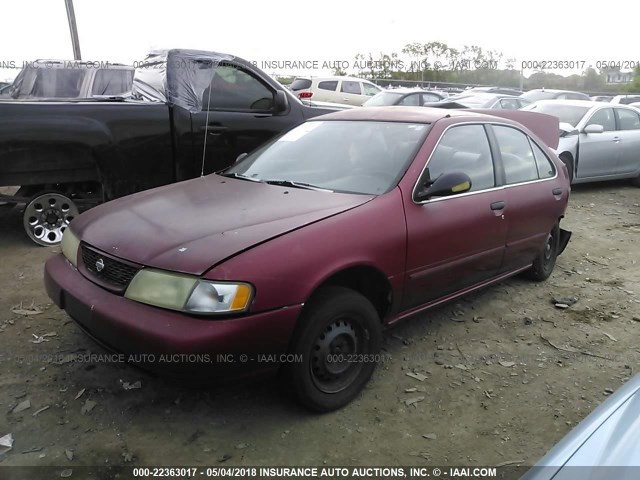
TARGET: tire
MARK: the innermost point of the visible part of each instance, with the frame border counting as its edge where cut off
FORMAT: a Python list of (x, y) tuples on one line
[(546, 260), (636, 181), (567, 160), (336, 325)]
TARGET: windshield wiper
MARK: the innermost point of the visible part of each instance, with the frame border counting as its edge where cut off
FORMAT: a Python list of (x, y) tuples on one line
[(241, 177), (290, 183)]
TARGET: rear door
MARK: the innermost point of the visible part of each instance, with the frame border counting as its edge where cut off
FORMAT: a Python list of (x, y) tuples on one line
[(326, 91), (599, 153), (629, 144), (532, 197), (458, 241), (238, 115), (351, 93)]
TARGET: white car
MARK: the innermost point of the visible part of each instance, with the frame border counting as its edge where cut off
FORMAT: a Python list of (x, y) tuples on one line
[(625, 99), (345, 90)]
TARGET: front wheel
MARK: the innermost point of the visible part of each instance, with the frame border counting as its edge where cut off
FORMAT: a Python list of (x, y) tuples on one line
[(546, 260), (338, 340)]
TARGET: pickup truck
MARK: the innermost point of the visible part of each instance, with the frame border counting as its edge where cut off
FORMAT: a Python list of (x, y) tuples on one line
[(56, 79), (190, 113)]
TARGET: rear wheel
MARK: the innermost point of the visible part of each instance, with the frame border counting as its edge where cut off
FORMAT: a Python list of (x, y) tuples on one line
[(546, 260), (338, 340), (47, 216)]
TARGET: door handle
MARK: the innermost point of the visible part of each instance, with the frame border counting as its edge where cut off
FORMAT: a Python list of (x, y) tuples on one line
[(557, 191), (498, 205), (213, 129)]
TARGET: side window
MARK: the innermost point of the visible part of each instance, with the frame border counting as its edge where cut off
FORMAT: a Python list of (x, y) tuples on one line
[(627, 119), (235, 89), (605, 118), (464, 149), (370, 90), (112, 81), (350, 87), (509, 104), (430, 97), (517, 156), (328, 85), (546, 169), (562, 96), (411, 100)]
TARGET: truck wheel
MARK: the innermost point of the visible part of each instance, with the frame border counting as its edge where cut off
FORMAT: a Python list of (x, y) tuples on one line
[(47, 216), (546, 260), (338, 340)]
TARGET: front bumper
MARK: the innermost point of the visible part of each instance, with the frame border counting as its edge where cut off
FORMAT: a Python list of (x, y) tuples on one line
[(166, 340)]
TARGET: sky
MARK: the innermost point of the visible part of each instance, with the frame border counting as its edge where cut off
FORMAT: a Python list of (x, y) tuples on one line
[(328, 31)]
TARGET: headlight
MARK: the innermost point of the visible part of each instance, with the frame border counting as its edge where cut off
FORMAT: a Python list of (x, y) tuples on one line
[(70, 244), (188, 294)]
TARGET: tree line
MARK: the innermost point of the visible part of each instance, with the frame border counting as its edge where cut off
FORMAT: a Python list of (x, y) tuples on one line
[(438, 62)]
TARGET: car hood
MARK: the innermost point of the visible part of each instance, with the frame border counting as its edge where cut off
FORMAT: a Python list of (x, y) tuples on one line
[(191, 226)]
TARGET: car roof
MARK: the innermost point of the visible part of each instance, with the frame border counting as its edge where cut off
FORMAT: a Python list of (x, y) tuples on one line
[(577, 103), (408, 90), (399, 114), (322, 79), (551, 90)]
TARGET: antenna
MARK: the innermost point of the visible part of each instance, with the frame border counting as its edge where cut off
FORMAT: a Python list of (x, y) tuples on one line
[(206, 133)]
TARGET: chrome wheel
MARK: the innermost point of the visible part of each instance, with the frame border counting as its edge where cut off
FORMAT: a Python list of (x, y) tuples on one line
[(47, 216)]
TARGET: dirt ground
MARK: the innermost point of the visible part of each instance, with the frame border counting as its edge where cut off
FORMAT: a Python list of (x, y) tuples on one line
[(507, 373)]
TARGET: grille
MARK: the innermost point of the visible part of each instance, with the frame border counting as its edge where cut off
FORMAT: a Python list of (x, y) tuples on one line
[(115, 273)]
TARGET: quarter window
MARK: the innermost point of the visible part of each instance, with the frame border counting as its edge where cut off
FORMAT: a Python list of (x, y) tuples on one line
[(235, 89), (517, 156), (546, 169), (464, 149), (350, 87)]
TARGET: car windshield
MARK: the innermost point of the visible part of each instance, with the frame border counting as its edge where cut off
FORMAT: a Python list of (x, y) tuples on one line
[(571, 114), (383, 99), (363, 157)]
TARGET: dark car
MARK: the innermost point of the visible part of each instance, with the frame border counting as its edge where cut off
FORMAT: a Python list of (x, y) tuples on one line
[(410, 97), (189, 112), (547, 94), (297, 256)]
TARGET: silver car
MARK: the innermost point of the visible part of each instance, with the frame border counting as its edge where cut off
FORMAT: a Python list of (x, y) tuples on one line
[(598, 141), (603, 446)]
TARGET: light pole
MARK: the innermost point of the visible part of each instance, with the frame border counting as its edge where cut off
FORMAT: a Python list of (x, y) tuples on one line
[(73, 29)]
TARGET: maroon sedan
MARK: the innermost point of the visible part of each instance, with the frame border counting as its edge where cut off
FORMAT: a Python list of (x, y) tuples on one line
[(296, 257)]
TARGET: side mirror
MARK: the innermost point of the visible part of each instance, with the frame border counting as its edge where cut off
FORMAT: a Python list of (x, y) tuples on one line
[(593, 128), (445, 185), (241, 157), (281, 102)]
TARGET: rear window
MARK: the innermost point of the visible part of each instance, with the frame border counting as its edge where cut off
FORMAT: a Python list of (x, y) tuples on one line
[(300, 84), (57, 83)]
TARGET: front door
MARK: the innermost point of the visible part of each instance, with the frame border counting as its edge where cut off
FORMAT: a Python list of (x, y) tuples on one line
[(458, 241)]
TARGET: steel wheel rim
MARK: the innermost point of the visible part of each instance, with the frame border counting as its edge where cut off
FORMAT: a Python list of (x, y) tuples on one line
[(548, 249), (47, 216), (334, 355)]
